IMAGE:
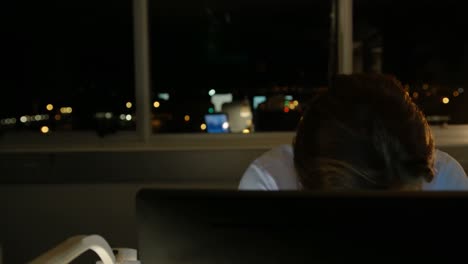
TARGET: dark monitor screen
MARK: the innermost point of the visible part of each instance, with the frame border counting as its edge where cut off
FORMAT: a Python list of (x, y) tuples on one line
[(299, 227)]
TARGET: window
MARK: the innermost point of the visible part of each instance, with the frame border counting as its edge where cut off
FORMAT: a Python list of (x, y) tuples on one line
[(424, 44), (249, 64), (252, 63), (69, 66)]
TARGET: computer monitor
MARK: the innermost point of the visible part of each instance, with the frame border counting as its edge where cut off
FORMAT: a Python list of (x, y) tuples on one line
[(177, 226)]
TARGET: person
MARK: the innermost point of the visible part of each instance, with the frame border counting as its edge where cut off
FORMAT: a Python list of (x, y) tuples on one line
[(363, 133)]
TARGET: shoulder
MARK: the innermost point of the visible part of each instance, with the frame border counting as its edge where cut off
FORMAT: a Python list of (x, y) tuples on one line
[(283, 153), (449, 174), (274, 170)]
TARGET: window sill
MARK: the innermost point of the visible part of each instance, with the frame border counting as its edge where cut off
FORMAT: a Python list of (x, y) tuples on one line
[(453, 135)]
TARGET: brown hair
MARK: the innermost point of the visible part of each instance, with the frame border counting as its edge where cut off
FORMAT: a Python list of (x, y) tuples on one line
[(363, 133)]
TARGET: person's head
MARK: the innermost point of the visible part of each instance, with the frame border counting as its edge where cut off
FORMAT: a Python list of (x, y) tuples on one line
[(364, 132)]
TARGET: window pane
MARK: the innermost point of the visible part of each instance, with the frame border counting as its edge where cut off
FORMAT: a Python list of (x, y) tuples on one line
[(236, 66), (424, 44), (69, 65)]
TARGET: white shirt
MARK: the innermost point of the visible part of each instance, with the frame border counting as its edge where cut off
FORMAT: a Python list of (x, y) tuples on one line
[(275, 170)]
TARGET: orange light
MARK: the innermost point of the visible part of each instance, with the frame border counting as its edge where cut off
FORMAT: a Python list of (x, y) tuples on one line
[(45, 129), (187, 118), (415, 95), (66, 110), (58, 117), (456, 93), (50, 107), (286, 109), (156, 123)]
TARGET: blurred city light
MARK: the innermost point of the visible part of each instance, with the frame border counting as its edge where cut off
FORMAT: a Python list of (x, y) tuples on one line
[(66, 110), (245, 113), (219, 99), (50, 107), (163, 96), (187, 118), (258, 100), (212, 92), (203, 127), (128, 117), (45, 129), (225, 125), (246, 131), (445, 100), (8, 121), (156, 104)]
